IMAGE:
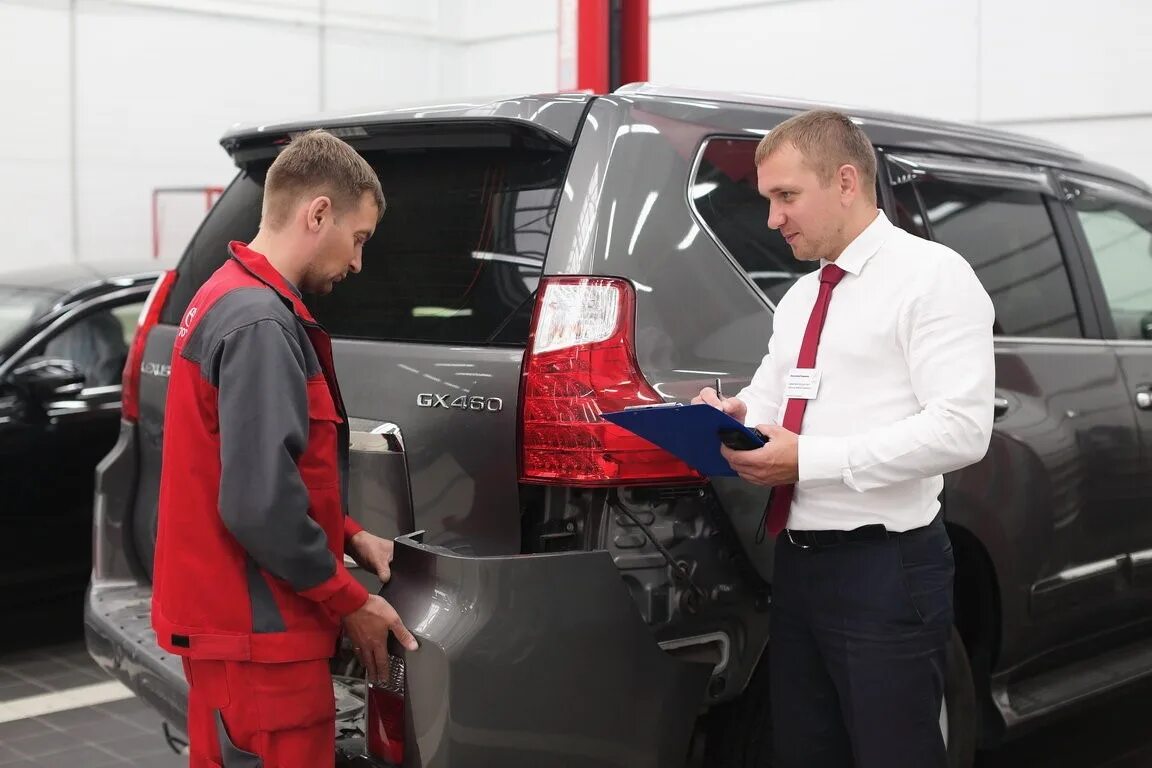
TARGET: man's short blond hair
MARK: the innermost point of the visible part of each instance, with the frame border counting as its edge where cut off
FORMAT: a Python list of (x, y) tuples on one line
[(317, 163), (827, 140)]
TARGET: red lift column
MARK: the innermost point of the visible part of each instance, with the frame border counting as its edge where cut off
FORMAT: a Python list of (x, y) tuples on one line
[(603, 44)]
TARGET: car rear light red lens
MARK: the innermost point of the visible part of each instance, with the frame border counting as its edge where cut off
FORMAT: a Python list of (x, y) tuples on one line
[(385, 714), (581, 362), (149, 317)]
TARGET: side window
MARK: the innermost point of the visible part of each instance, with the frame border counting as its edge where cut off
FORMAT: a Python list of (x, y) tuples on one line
[(1118, 228), (724, 195), (1007, 236), (97, 342)]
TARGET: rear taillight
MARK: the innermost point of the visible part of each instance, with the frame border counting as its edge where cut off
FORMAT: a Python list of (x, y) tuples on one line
[(581, 362), (149, 316), (384, 719)]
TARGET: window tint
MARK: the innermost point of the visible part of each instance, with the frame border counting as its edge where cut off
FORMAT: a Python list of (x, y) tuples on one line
[(909, 214), (456, 258), (97, 342), (1118, 228), (459, 252), (19, 307), (724, 194), (1007, 236)]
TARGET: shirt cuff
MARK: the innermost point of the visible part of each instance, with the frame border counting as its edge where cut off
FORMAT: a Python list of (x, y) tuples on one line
[(822, 458)]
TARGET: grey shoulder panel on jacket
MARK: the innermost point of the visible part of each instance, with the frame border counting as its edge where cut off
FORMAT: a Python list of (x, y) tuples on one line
[(245, 308)]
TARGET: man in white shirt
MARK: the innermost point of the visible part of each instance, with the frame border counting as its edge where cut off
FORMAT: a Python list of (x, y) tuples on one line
[(878, 379)]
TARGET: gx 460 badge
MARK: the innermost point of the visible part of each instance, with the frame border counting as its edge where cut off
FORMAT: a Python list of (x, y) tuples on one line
[(463, 402)]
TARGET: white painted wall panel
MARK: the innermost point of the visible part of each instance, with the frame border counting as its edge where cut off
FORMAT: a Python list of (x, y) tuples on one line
[(35, 188), (511, 66), (144, 124), (815, 50), (158, 81), (371, 70), (1060, 58), (505, 18)]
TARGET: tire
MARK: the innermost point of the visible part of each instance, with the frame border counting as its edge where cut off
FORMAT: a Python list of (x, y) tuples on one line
[(739, 734)]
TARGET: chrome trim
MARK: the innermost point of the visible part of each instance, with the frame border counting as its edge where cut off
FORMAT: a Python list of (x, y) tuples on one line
[(65, 408), (1143, 557), (1089, 569), (1107, 188), (1138, 343), (699, 219), (919, 165), (1049, 341), (383, 438), (711, 637)]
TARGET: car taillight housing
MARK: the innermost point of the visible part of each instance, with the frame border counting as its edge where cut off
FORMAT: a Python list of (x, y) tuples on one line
[(384, 718), (581, 362), (149, 317)]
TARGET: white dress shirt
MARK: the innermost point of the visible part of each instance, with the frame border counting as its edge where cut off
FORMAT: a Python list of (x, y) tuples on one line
[(906, 382)]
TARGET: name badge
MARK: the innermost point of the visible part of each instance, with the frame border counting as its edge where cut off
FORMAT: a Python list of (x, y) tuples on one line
[(802, 383)]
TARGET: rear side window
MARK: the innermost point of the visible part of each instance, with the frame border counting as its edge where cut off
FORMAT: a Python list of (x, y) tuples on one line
[(456, 258), (1007, 236), (1117, 225), (725, 197)]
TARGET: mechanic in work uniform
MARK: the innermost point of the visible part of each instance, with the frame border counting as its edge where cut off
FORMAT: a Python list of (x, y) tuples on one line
[(250, 587)]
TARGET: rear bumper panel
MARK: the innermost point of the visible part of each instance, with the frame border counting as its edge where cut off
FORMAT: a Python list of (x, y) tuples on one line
[(118, 630), (536, 660)]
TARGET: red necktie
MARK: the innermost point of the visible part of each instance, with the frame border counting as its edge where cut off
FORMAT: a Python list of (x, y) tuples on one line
[(776, 513)]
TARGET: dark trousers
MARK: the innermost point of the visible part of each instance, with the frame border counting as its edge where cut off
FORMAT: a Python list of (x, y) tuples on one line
[(857, 652)]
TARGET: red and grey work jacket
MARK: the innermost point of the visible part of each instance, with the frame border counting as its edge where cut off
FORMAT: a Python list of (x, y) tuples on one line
[(252, 525)]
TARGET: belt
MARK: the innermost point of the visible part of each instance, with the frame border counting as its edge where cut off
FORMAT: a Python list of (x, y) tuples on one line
[(820, 539)]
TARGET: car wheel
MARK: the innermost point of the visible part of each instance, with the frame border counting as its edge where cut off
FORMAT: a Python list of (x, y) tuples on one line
[(739, 734)]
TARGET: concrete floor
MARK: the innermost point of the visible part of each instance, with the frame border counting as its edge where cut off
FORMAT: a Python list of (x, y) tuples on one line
[(119, 732), (42, 655)]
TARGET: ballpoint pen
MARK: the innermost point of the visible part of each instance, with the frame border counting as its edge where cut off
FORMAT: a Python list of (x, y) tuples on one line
[(719, 393)]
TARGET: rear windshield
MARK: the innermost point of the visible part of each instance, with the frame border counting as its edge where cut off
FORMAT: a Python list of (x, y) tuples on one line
[(456, 258)]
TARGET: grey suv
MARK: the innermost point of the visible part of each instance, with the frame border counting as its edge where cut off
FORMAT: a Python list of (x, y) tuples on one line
[(581, 598)]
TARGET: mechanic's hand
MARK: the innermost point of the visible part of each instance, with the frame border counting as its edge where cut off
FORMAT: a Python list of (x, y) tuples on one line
[(733, 406), (776, 463), (368, 628), (372, 553)]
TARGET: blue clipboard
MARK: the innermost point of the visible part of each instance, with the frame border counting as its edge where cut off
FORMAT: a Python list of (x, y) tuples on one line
[(689, 432)]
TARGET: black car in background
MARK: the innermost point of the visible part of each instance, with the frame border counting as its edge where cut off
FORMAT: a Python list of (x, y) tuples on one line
[(65, 331)]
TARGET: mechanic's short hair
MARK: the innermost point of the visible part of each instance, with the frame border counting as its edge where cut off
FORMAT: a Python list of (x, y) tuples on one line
[(317, 163), (827, 140)]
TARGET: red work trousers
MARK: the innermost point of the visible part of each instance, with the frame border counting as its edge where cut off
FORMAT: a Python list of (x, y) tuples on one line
[(249, 715)]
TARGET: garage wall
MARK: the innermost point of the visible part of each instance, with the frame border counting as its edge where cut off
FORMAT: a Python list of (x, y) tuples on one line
[(1061, 69), (35, 147), (107, 99), (118, 97)]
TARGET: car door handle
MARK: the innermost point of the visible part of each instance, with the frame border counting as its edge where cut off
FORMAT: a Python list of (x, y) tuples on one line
[(999, 406), (1144, 398)]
